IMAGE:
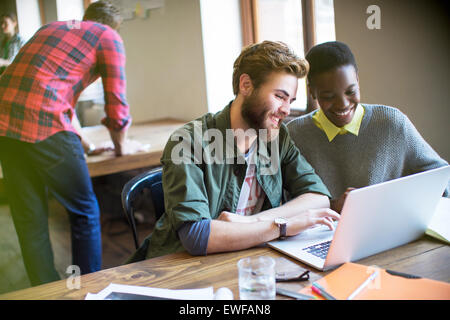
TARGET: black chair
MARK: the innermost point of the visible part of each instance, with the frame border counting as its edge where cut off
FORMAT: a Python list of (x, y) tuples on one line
[(152, 181)]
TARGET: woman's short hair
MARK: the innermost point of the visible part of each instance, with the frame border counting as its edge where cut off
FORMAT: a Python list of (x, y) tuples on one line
[(259, 60), (103, 12), (329, 56)]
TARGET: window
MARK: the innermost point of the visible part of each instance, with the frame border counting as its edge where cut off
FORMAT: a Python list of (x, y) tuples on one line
[(281, 20), (299, 23), (324, 13), (32, 14), (29, 18), (222, 44), (69, 10)]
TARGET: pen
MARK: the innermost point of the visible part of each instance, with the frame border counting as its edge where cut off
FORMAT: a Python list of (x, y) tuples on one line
[(363, 285), (293, 294), (321, 291)]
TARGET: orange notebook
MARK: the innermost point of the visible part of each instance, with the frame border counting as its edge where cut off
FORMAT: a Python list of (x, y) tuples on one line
[(342, 282)]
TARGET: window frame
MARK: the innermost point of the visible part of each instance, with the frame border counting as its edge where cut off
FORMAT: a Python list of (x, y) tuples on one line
[(250, 35)]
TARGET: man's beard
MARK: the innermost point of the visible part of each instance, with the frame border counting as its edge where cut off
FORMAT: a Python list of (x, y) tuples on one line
[(254, 111)]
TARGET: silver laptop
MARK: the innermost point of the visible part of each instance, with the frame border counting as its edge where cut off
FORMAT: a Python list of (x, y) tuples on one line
[(373, 219)]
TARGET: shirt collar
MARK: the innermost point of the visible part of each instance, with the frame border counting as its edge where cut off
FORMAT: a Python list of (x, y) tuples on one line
[(331, 131), (223, 119), (223, 123)]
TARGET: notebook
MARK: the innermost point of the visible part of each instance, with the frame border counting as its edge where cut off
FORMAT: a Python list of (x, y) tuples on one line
[(388, 285)]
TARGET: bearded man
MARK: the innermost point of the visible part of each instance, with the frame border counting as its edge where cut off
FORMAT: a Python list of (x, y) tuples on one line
[(234, 202)]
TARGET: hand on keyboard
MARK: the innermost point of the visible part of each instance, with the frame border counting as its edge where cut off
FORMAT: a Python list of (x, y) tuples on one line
[(309, 218)]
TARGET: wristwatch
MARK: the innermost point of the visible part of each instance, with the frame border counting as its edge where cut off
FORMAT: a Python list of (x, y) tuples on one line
[(281, 223)]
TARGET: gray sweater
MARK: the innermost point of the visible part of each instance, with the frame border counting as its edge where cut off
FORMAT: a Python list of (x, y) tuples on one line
[(387, 147)]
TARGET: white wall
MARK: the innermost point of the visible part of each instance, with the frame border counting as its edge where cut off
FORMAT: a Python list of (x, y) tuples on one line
[(222, 44), (165, 64)]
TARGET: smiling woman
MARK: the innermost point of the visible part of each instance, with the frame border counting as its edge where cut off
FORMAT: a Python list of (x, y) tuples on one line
[(333, 81), (352, 144), (337, 93)]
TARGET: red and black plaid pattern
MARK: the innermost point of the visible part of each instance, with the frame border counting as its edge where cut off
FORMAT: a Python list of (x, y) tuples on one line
[(39, 90)]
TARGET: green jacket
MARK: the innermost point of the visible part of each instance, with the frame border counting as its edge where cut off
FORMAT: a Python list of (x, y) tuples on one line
[(197, 189)]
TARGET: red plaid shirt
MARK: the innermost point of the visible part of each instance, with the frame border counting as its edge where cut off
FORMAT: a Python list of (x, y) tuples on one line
[(39, 90)]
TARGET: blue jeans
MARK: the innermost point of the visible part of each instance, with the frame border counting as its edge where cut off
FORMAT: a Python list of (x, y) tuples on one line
[(55, 165)]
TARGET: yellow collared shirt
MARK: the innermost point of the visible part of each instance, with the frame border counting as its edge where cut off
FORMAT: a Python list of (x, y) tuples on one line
[(322, 122)]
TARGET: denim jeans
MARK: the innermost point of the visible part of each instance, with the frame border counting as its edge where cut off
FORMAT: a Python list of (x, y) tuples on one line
[(55, 165)]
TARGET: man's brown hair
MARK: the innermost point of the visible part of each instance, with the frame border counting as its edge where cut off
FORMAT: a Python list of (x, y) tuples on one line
[(261, 59), (103, 12)]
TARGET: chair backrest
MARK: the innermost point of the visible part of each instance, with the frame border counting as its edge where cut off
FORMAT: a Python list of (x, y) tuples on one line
[(152, 181)]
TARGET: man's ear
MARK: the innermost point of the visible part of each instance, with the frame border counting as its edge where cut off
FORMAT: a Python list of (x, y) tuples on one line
[(245, 84)]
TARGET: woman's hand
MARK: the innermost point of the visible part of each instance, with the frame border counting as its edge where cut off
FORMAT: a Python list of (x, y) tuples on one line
[(337, 204)]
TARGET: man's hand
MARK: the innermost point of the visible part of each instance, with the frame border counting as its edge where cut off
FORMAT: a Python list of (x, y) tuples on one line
[(337, 204), (232, 232), (118, 139), (309, 218)]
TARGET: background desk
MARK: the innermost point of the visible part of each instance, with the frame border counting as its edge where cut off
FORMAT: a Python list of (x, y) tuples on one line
[(425, 257), (155, 133)]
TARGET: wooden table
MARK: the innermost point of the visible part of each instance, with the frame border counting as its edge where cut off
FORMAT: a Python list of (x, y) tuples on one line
[(155, 133), (425, 257)]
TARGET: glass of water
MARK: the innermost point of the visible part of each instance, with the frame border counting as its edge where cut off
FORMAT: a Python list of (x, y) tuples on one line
[(256, 278)]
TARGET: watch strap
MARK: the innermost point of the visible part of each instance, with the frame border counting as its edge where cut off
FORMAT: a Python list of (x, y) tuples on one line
[(283, 228)]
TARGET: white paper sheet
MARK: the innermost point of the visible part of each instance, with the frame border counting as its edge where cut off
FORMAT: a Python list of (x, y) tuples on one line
[(132, 146), (126, 292), (439, 227)]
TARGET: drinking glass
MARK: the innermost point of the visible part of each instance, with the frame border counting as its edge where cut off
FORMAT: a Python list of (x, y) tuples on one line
[(256, 278)]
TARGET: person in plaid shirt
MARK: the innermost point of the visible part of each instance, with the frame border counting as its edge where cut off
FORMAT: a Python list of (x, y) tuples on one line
[(41, 151)]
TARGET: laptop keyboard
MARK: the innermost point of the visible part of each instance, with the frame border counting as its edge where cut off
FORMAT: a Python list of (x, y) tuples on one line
[(319, 250)]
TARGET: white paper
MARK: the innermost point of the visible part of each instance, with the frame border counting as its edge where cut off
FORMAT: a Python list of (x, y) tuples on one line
[(132, 146), (440, 223), (182, 294)]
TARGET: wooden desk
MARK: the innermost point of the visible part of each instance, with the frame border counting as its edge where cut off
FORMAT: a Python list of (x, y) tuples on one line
[(155, 133), (425, 257)]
